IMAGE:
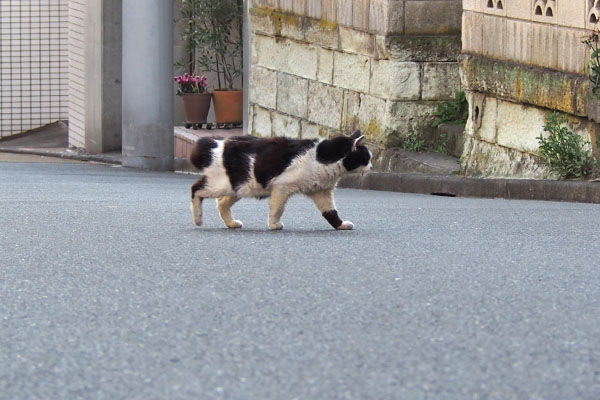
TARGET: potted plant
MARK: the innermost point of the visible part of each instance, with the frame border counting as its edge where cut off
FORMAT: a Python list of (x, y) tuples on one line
[(215, 29), (196, 98)]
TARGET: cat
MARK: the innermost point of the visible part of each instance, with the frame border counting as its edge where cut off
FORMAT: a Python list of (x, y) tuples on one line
[(278, 167)]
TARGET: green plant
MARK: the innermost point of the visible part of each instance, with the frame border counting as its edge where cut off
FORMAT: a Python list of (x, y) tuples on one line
[(594, 65), (413, 142), (213, 34), (453, 111), (564, 151)]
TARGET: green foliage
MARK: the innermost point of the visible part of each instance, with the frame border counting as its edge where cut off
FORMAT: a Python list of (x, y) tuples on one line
[(413, 143), (594, 65), (453, 111), (563, 150), (213, 34)]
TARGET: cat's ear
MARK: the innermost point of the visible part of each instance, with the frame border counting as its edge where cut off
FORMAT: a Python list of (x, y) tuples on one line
[(359, 141), (356, 135)]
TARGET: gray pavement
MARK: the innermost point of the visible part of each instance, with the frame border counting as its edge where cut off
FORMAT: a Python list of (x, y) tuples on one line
[(108, 291)]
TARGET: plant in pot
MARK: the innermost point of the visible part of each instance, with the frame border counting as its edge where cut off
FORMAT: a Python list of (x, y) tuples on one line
[(216, 32), (196, 98)]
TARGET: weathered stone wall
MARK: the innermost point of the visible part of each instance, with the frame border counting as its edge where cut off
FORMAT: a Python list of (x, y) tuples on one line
[(522, 59), (324, 67)]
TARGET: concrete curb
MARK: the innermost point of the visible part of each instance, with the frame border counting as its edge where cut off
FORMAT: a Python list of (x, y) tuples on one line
[(69, 155), (442, 185)]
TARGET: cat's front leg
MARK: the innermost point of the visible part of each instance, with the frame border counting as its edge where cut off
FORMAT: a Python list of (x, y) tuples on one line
[(224, 206), (279, 197), (324, 201)]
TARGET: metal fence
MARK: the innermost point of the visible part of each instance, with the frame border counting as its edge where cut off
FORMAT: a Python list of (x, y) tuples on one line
[(33, 64)]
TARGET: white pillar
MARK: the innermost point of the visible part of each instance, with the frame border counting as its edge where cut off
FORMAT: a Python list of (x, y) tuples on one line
[(147, 84)]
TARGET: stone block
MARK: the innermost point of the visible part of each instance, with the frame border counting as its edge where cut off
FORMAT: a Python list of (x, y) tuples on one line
[(350, 110), (440, 81), (325, 66), (261, 23), (267, 52), (360, 14), (395, 17), (344, 12), (284, 125), (351, 71), (300, 59), (520, 126), (519, 9), (322, 34), (526, 84), (489, 160), (472, 33), (314, 8), (405, 118), (421, 48), (354, 41), (572, 53), (289, 26), (325, 104), (488, 129), (518, 41), (264, 87), (372, 118), (571, 13), (544, 46), (292, 95), (261, 122), (309, 131), (494, 36), (432, 17), (396, 80), (471, 5)]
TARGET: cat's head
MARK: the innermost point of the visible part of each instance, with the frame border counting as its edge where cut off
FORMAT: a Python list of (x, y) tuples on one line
[(349, 150)]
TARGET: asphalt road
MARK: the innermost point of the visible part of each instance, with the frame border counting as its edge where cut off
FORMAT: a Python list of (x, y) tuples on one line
[(108, 291)]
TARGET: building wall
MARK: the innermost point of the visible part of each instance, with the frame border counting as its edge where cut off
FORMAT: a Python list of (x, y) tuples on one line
[(33, 64), (523, 59), (327, 67)]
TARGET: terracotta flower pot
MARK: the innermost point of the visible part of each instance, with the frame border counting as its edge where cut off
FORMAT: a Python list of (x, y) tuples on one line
[(196, 106), (228, 106)]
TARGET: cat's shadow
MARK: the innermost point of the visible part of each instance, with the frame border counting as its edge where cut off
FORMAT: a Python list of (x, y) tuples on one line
[(265, 231)]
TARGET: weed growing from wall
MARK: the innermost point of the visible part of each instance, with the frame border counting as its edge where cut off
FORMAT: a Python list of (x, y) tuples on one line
[(453, 111), (564, 151)]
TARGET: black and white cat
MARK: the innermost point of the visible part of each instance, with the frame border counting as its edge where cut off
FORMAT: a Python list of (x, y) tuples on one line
[(246, 166)]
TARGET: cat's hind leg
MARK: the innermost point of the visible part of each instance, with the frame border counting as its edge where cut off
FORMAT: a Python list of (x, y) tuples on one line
[(224, 206), (196, 204), (324, 201)]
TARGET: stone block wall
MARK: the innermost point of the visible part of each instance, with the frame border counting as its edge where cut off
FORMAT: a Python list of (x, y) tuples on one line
[(325, 67), (523, 59)]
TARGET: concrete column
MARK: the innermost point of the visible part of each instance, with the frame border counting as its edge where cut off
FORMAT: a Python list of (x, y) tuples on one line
[(247, 60), (147, 84), (103, 75)]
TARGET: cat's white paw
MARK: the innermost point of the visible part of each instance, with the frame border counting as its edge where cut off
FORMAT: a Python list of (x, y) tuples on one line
[(346, 226), (235, 224), (276, 226)]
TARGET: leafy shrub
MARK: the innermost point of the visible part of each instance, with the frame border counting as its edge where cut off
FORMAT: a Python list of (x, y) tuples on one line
[(453, 111), (594, 65), (564, 151)]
